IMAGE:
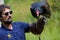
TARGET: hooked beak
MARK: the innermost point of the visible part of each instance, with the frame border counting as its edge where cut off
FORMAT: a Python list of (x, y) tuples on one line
[(37, 12)]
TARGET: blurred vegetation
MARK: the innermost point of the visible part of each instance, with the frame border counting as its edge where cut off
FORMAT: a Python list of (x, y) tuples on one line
[(55, 4), (6, 1), (21, 12)]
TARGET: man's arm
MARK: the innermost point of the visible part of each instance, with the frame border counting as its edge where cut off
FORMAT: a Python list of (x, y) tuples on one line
[(37, 28)]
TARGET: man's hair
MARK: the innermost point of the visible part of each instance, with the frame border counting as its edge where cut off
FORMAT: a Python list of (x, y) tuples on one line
[(2, 8)]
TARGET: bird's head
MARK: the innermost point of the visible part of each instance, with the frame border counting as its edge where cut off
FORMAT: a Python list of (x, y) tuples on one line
[(40, 8)]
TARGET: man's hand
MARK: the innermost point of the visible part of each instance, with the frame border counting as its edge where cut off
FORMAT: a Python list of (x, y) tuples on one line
[(41, 20)]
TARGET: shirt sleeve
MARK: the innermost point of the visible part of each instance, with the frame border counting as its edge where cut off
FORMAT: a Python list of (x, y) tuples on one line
[(24, 26)]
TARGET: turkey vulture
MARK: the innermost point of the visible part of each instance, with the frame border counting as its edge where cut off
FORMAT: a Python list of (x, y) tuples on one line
[(40, 8)]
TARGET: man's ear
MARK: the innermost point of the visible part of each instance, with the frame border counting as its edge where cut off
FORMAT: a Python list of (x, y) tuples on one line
[(0, 15)]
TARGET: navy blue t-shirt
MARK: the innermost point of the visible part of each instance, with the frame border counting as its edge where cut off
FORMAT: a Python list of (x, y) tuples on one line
[(17, 33)]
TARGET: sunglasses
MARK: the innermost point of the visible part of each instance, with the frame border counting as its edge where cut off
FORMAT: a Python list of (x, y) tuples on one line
[(7, 13)]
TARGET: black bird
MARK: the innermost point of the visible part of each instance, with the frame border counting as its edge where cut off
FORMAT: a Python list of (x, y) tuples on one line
[(40, 8)]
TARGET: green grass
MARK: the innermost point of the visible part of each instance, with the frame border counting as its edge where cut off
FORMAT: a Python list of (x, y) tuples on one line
[(21, 12)]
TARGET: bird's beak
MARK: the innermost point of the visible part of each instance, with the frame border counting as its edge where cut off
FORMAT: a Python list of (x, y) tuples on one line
[(37, 12)]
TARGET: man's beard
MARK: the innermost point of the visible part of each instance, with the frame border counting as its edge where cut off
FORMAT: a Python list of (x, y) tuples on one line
[(7, 22)]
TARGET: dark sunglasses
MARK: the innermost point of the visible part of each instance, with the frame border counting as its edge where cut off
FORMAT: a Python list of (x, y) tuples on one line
[(7, 13)]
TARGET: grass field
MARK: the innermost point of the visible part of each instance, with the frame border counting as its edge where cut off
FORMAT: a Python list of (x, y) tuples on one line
[(21, 12)]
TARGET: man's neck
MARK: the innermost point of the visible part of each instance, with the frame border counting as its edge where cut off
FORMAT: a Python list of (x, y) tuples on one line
[(8, 26)]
